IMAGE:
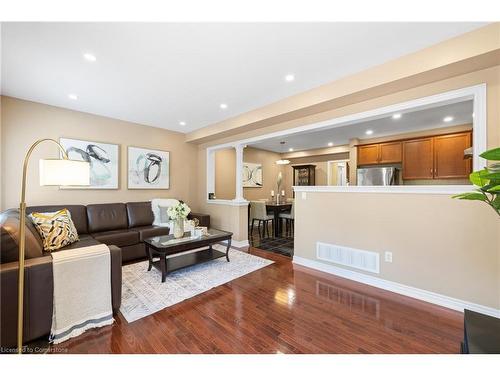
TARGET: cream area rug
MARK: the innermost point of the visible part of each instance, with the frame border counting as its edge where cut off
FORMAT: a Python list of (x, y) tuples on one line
[(143, 293)]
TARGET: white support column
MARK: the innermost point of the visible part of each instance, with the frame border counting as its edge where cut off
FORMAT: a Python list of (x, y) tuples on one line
[(239, 170), (210, 173)]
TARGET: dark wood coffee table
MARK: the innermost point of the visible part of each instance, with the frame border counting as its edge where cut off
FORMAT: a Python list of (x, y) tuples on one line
[(165, 246)]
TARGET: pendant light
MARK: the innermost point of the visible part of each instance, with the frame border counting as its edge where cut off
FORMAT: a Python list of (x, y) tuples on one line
[(282, 161)]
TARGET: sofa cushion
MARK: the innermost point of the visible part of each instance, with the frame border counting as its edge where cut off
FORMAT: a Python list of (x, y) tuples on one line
[(9, 238), (120, 237), (85, 240), (106, 217), (56, 228), (151, 231), (78, 214), (133, 252), (139, 214)]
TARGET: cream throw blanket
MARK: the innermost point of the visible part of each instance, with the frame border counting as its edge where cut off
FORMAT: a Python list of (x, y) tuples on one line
[(82, 291)]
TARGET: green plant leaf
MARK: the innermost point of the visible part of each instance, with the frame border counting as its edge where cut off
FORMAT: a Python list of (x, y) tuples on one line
[(490, 187), (478, 178), (471, 196), (493, 154), (496, 203), (492, 176), (494, 189)]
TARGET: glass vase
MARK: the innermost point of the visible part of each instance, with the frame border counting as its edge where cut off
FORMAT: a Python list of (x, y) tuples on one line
[(179, 228)]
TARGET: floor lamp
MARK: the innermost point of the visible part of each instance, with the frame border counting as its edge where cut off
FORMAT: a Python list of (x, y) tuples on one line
[(53, 172)]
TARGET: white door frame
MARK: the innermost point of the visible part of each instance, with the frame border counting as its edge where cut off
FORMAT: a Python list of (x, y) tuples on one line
[(328, 173)]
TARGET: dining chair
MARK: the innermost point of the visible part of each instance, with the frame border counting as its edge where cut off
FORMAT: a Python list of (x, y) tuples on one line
[(289, 218), (258, 212)]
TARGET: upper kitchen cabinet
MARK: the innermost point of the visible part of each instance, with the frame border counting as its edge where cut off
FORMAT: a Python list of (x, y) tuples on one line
[(389, 152), (449, 159), (368, 154), (439, 157), (418, 159), (379, 153)]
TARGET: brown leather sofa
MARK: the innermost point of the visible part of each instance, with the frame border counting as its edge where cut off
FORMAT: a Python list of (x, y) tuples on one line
[(121, 226)]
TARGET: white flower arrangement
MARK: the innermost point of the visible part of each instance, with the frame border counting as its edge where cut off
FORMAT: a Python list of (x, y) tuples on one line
[(179, 211)]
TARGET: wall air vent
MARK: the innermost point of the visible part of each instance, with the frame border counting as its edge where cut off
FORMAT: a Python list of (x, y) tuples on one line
[(346, 256)]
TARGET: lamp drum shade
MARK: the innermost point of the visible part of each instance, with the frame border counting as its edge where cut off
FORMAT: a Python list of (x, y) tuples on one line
[(64, 172)]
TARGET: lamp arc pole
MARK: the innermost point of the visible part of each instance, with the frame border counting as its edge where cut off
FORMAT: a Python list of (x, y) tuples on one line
[(22, 222)]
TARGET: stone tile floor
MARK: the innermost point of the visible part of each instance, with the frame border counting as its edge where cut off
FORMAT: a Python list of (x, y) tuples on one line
[(281, 245)]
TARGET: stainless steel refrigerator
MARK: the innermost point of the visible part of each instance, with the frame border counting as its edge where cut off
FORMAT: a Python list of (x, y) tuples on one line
[(378, 176)]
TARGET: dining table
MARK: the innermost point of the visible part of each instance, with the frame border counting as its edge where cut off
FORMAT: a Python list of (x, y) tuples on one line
[(276, 209)]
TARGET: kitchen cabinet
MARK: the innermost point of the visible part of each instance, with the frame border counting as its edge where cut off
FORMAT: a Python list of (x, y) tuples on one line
[(368, 154), (418, 160), (379, 153), (390, 152), (449, 159), (438, 157)]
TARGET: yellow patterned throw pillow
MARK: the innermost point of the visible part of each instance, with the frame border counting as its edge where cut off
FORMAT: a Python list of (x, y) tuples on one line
[(56, 228)]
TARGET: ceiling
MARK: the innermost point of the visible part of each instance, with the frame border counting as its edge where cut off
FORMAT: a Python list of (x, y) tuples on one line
[(162, 74), (431, 118)]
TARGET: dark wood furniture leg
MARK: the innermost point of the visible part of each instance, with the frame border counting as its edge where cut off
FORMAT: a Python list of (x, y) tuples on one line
[(227, 249), (277, 222), (150, 257), (163, 266)]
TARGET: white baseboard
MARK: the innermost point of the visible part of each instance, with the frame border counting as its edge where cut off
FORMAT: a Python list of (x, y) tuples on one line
[(410, 291), (238, 244)]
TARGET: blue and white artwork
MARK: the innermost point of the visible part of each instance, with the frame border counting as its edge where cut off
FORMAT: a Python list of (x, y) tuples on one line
[(102, 157), (148, 169)]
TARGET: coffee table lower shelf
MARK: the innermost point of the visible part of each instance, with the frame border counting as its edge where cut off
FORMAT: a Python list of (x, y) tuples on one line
[(186, 260)]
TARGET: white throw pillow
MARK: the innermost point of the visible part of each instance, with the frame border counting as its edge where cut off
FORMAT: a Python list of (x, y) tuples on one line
[(164, 218), (155, 207)]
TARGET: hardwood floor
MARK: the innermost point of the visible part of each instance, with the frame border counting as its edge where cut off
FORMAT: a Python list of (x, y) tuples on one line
[(284, 308)]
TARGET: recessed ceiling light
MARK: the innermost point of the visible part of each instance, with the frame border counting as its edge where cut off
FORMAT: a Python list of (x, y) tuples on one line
[(182, 123), (369, 132), (448, 119), (223, 106), (396, 116), (290, 149), (89, 57), (73, 96), (330, 144), (289, 77)]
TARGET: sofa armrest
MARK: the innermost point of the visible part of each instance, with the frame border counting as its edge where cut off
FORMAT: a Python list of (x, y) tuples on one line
[(38, 300), (116, 277), (204, 219)]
